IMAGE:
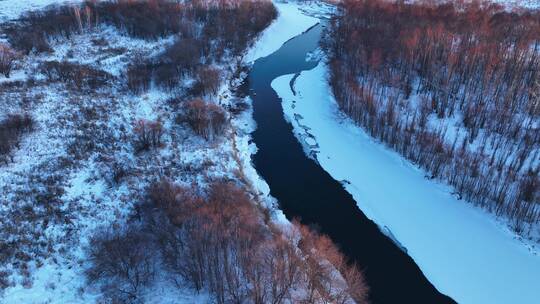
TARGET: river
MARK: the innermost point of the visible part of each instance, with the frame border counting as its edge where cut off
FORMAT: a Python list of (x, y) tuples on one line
[(307, 192)]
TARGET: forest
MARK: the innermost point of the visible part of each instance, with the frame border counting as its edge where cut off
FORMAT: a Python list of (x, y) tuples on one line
[(454, 87)]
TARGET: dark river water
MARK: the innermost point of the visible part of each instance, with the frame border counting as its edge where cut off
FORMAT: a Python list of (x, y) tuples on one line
[(305, 191)]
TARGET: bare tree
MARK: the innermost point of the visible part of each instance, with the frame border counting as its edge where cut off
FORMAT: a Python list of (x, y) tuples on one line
[(148, 134), (7, 59), (205, 118), (11, 130), (122, 261)]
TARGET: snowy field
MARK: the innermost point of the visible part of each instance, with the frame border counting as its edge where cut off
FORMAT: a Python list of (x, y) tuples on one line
[(462, 250), (520, 3), (89, 200), (12, 9)]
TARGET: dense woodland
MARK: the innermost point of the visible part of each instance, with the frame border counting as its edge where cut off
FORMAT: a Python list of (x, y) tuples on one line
[(214, 236), (453, 87)]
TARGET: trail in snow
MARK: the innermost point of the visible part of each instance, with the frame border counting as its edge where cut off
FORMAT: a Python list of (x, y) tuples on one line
[(462, 250)]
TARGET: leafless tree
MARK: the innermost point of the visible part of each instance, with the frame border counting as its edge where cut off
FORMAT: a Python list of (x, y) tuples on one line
[(148, 134), (7, 59), (121, 261), (205, 118)]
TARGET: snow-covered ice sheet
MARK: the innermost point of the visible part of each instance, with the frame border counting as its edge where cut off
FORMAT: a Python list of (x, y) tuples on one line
[(289, 23), (461, 249)]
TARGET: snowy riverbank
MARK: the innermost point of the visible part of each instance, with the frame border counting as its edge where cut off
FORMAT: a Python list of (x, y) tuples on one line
[(462, 250)]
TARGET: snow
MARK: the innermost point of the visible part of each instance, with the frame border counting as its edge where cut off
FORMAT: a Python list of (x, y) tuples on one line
[(89, 199), (290, 23), (461, 249), (528, 4), (13, 9)]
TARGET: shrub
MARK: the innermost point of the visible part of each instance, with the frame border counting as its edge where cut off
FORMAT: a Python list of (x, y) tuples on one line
[(4, 280), (142, 19), (205, 230), (119, 172), (167, 76), (122, 262), (176, 202), (184, 54), (78, 75), (239, 107), (207, 81), (206, 119), (30, 41), (34, 28), (323, 284), (139, 77), (11, 130), (148, 134), (7, 59)]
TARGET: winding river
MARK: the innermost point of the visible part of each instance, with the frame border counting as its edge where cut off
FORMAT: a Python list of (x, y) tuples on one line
[(307, 192)]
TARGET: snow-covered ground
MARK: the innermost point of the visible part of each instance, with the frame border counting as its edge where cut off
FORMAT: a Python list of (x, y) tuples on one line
[(462, 250), (89, 200), (71, 154), (528, 4), (12, 9), (61, 280), (535, 4), (78, 139)]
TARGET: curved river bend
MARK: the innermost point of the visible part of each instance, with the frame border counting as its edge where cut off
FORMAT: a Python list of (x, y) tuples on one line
[(306, 191)]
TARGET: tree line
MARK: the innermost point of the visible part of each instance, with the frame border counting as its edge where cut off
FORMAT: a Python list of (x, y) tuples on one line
[(453, 87), (216, 239)]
